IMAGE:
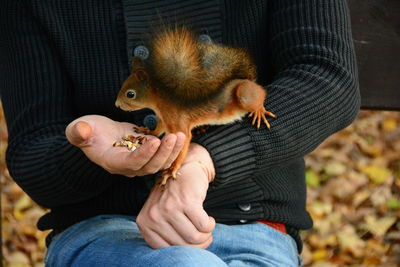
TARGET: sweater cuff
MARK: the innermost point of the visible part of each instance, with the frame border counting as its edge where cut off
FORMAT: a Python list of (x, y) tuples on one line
[(231, 150)]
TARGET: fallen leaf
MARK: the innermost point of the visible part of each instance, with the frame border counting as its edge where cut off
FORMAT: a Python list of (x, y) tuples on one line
[(360, 197), (375, 247), (319, 255), (312, 179), (380, 196), (375, 149), (350, 241), (379, 227), (335, 168), (321, 208), (389, 125), (321, 242), (371, 261), (393, 204), (376, 174), (393, 237), (341, 187), (22, 204), (18, 259), (324, 264)]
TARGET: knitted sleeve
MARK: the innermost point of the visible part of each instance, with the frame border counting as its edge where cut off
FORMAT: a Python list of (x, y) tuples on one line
[(314, 92), (36, 93)]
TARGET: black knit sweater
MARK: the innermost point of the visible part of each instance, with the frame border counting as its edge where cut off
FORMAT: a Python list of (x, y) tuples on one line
[(63, 59)]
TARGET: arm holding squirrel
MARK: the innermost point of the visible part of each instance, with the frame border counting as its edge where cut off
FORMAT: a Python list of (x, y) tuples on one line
[(313, 96)]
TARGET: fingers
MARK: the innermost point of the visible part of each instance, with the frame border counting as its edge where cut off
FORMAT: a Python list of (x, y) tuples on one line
[(136, 160), (174, 215), (180, 141), (161, 156), (79, 133), (155, 155), (161, 239), (201, 220), (179, 230), (95, 135), (154, 240), (187, 231)]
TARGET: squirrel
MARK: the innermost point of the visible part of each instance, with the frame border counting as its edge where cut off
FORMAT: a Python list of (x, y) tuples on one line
[(189, 83)]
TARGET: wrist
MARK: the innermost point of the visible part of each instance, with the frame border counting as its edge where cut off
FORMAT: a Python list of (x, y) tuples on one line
[(198, 165), (197, 154)]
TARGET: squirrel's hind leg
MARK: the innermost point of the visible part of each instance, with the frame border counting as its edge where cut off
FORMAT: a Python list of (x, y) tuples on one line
[(172, 171), (251, 97)]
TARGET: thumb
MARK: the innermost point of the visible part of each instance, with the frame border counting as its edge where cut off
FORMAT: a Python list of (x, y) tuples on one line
[(200, 219), (79, 133), (207, 225)]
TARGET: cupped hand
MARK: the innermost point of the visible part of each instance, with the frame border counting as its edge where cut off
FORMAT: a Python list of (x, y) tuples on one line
[(174, 214), (95, 136)]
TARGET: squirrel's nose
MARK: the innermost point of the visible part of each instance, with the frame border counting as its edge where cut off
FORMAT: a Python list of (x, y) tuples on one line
[(117, 104)]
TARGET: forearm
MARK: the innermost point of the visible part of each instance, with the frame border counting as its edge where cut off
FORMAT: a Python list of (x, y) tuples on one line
[(52, 171), (37, 95), (315, 91)]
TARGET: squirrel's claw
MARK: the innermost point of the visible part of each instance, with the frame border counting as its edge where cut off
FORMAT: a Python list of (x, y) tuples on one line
[(167, 174), (141, 130), (260, 115), (200, 130)]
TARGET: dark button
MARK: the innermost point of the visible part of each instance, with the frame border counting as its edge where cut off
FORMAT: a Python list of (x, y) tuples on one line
[(150, 121), (243, 221), (244, 206), (205, 38), (141, 51)]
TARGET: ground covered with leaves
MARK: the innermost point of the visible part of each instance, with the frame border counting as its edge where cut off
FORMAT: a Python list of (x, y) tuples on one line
[(353, 182)]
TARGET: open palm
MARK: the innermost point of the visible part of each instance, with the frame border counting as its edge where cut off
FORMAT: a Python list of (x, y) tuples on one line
[(95, 135)]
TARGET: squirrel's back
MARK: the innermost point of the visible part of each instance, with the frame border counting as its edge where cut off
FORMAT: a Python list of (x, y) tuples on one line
[(191, 72)]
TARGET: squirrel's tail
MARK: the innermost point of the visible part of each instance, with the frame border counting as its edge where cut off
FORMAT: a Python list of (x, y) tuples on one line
[(187, 70), (176, 65)]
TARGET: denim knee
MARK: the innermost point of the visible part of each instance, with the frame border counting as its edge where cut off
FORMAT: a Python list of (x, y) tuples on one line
[(183, 256)]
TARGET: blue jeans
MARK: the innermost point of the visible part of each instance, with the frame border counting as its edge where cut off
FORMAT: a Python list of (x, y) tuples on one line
[(115, 240)]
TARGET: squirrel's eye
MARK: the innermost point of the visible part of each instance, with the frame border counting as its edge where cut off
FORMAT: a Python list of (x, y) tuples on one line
[(131, 94)]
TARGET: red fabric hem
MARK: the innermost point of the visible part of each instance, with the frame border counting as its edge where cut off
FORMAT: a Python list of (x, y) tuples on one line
[(277, 226)]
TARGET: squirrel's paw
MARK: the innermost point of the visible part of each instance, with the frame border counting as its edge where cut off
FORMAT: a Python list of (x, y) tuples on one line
[(166, 175), (200, 129), (260, 115), (141, 130)]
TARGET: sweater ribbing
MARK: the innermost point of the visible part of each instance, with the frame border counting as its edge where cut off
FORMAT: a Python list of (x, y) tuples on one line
[(64, 59)]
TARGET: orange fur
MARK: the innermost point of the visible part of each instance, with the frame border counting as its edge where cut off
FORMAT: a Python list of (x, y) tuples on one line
[(189, 72), (189, 84)]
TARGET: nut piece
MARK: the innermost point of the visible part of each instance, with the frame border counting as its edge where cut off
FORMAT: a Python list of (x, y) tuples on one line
[(131, 142)]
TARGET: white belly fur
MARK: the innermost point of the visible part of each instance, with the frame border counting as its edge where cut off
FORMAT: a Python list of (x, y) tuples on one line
[(225, 119)]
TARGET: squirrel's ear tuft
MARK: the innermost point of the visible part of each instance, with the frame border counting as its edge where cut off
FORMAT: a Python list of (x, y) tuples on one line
[(137, 63), (141, 75)]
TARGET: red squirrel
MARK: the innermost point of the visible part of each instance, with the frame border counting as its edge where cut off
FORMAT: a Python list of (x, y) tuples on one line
[(189, 83)]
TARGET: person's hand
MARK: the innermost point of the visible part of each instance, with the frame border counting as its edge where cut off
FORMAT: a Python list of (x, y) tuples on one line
[(174, 214), (95, 135)]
